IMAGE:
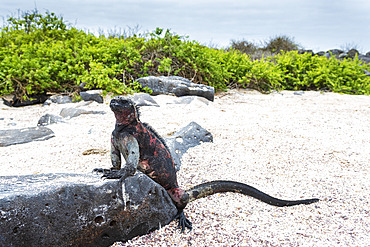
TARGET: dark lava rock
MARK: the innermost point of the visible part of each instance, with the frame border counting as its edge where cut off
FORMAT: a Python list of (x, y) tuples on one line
[(366, 59), (32, 100), (321, 53), (175, 85), (18, 136), (49, 119), (82, 86), (352, 53), (92, 95), (79, 210), (335, 52), (58, 99), (143, 99), (190, 136), (306, 51), (75, 112), (188, 100), (298, 93)]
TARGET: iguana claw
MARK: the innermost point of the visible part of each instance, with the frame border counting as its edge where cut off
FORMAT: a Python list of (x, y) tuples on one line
[(183, 221), (100, 170), (111, 173)]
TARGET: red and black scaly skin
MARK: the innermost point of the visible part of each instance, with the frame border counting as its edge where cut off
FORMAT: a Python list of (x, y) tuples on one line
[(144, 150)]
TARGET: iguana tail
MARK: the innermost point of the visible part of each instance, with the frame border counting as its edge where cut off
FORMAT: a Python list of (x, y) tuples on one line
[(219, 186)]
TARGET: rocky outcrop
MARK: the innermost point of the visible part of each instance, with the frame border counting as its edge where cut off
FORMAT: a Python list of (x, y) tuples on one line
[(72, 112), (79, 210), (190, 136), (143, 99), (352, 53), (178, 86), (340, 54), (364, 58), (24, 135), (86, 95), (58, 99), (49, 119), (83, 209), (66, 113), (12, 100), (186, 100), (170, 85), (92, 95)]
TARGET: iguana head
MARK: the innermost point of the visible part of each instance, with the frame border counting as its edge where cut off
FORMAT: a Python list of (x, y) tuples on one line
[(124, 110)]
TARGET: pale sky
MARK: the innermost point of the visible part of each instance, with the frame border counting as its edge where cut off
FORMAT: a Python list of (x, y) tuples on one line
[(315, 24)]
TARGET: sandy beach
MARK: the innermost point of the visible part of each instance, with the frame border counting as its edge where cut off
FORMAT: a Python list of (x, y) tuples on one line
[(288, 145)]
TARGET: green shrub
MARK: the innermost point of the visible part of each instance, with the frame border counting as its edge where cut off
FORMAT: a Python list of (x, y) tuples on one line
[(312, 72), (40, 53), (262, 75), (293, 71)]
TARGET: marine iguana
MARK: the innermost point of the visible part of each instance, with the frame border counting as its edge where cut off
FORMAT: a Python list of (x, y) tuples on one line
[(144, 150)]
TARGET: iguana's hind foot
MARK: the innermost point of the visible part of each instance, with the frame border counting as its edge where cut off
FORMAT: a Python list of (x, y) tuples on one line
[(183, 221)]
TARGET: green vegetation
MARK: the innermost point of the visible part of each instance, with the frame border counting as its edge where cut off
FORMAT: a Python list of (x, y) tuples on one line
[(41, 53)]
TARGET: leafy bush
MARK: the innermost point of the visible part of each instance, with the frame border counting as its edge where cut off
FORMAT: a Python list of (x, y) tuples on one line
[(262, 75), (293, 71), (40, 53), (312, 72)]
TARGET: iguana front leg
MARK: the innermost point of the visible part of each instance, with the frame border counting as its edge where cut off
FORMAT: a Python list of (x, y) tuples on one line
[(129, 148), (115, 155)]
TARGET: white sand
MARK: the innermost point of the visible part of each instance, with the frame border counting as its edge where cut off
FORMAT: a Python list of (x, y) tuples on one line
[(289, 146)]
